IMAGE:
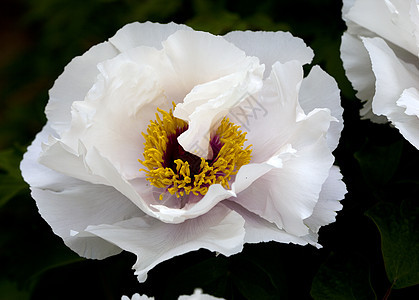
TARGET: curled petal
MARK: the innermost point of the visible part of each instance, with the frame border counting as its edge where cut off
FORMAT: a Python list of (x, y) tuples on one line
[(288, 193), (226, 76), (259, 229), (59, 196), (407, 124), (74, 83), (320, 90), (219, 230), (393, 78), (275, 107), (324, 213)]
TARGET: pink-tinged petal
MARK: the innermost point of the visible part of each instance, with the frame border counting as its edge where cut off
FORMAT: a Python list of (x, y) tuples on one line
[(271, 47), (333, 190), (390, 19), (408, 123), (260, 230), (74, 83), (320, 90), (226, 76), (144, 34), (220, 230)]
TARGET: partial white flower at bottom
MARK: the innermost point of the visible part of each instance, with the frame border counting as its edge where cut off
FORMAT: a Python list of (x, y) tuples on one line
[(165, 140), (197, 295), (380, 53)]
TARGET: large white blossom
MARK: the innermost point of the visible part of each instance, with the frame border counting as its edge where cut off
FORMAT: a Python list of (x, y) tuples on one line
[(93, 169), (197, 295), (380, 55)]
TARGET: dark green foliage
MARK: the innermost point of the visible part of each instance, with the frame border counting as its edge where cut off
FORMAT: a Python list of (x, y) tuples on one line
[(343, 278), (399, 230)]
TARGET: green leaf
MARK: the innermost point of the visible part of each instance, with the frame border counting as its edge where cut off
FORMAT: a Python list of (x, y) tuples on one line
[(252, 281), (399, 230), (9, 290), (379, 163), (343, 278), (11, 182)]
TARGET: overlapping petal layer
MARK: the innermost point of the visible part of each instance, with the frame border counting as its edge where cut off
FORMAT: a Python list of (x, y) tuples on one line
[(83, 167), (380, 53)]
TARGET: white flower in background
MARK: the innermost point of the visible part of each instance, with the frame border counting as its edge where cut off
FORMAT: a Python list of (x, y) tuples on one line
[(197, 295), (380, 55), (142, 150)]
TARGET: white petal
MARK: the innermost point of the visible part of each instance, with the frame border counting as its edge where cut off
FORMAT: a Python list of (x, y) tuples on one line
[(200, 57), (388, 19), (408, 123), (410, 101), (393, 78), (274, 108), (286, 195), (253, 171), (90, 166), (192, 209), (137, 296), (144, 34), (115, 112), (57, 156), (198, 295), (225, 77), (74, 83), (95, 168), (37, 175), (319, 90), (333, 190), (68, 204), (260, 230), (358, 69), (207, 105), (153, 242), (271, 47)]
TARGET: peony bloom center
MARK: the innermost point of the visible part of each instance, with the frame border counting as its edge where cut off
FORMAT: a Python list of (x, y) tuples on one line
[(170, 167)]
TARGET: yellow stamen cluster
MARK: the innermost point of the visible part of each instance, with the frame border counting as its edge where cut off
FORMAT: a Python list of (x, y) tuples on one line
[(180, 181)]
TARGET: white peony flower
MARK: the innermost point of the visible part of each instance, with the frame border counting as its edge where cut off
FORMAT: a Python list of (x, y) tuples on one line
[(142, 150), (380, 55), (197, 295)]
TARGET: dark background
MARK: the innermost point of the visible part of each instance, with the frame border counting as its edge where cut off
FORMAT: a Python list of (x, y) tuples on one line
[(370, 252)]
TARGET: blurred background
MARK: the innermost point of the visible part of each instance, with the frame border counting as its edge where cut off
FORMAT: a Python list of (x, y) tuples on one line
[(370, 252)]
